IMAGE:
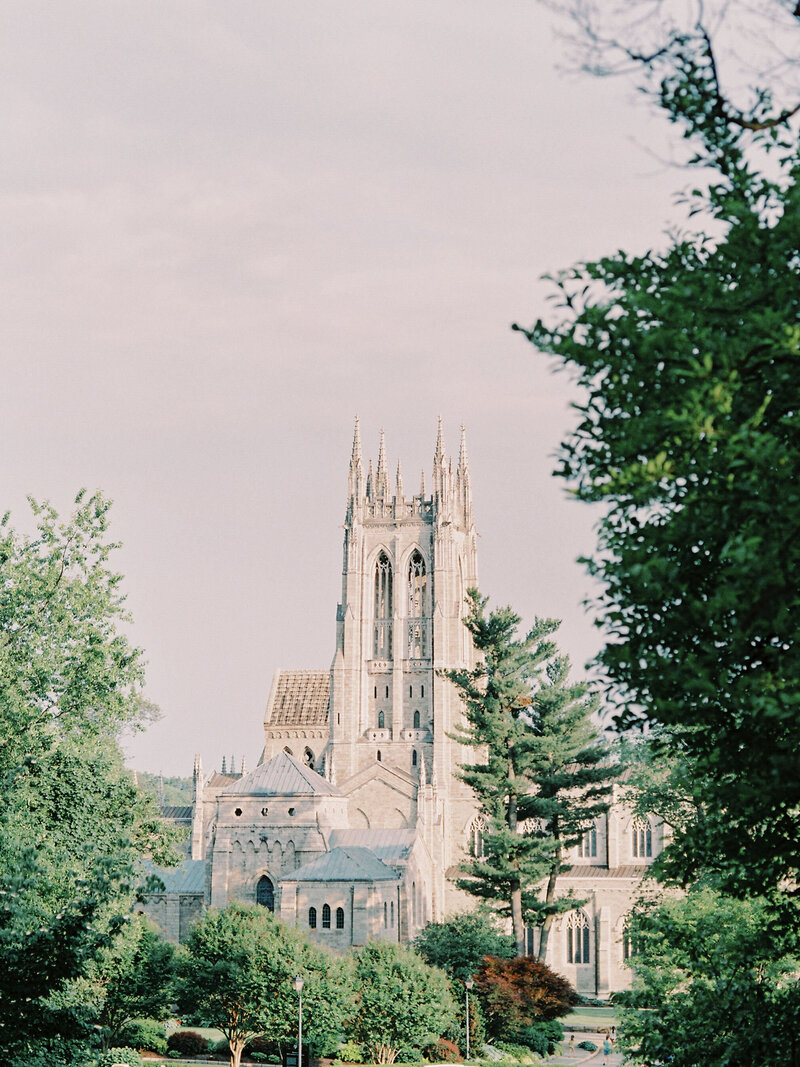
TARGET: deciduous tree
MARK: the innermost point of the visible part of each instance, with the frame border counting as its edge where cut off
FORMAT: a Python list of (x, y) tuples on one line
[(403, 1004), (689, 437)]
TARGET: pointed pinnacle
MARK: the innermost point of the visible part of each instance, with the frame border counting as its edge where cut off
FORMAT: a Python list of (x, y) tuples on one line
[(463, 458), (381, 457), (400, 495), (355, 459), (439, 454), (422, 482)]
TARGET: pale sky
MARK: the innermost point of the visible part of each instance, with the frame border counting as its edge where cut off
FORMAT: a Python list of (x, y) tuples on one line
[(227, 229)]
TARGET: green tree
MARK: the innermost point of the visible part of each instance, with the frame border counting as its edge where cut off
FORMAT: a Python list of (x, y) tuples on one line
[(132, 978), (403, 1004), (238, 971), (459, 944), (715, 984), (72, 824), (689, 437), (543, 774)]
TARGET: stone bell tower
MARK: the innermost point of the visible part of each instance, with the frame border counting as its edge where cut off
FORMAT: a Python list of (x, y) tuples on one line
[(408, 561)]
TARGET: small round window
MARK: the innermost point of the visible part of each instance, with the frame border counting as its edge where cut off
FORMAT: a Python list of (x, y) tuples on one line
[(265, 811), (237, 811)]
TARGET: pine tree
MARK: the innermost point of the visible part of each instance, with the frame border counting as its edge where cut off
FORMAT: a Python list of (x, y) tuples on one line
[(543, 775)]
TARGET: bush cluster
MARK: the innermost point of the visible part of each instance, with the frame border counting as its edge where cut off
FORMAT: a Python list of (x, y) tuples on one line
[(119, 1055), (147, 1034), (188, 1043)]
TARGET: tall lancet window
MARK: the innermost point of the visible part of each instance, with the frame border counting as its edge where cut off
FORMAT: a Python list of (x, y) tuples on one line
[(417, 608), (382, 644)]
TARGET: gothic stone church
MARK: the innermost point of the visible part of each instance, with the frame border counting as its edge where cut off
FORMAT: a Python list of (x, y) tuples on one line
[(353, 823)]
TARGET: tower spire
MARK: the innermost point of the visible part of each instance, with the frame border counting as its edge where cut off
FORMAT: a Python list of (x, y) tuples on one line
[(355, 479), (381, 480), (399, 489), (465, 479), (439, 462)]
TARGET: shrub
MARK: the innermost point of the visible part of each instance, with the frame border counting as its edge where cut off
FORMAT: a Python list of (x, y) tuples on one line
[(119, 1055), (187, 1043), (350, 1052), (520, 1053), (145, 1034), (444, 1051), (542, 1037), (588, 1045), (515, 994)]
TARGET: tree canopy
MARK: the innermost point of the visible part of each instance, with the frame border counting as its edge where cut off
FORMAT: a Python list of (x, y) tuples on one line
[(72, 824), (403, 1004), (689, 436)]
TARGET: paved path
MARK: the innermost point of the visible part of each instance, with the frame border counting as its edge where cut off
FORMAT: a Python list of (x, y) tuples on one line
[(580, 1055)]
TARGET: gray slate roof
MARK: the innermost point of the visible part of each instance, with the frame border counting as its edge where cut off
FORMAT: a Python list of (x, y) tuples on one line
[(591, 871), (344, 865), (282, 776), (188, 877), (299, 698), (387, 845)]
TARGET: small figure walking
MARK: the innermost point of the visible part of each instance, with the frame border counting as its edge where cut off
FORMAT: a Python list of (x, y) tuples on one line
[(606, 1048), (571, 1044)]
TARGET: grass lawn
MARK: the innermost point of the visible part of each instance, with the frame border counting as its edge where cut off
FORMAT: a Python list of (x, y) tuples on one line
[(600, 1018)]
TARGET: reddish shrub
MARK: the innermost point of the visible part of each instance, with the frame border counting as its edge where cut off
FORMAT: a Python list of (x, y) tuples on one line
[(516, 993), (445, 1051), (188, 1043)]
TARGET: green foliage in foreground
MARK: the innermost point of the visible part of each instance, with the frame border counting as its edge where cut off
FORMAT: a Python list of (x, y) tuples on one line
[(689, 439), (237, 973), (72, 824), (403, 1005), (715, 984)]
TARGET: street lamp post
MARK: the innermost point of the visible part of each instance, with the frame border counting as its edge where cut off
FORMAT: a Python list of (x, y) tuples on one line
[(467, 986), (298, 985)]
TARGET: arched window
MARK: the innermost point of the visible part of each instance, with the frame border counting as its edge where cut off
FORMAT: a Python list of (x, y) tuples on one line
[(308, 758), (416, 720), (391, 912), (578, 942), (265, 893), (381, 720), (414, 903), (642, 839), (385, 914), (475, 833), (382, 642), (379, 755), (340, 918), (326, 916), (587, 846), (312, 918), (287, 750), (627, 943), (417, 607), (414, 758), (417, 587)]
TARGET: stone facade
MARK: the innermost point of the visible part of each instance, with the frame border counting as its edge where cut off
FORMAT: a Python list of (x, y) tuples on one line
[(354, 822)]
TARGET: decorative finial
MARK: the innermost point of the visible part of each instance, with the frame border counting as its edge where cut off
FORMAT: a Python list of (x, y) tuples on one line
[(399, 488), (355, 458), (438, 456), (422, 483), (463, 458), (224, 765)]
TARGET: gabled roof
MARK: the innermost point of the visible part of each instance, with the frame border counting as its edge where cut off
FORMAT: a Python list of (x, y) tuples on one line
[(386, 845), (282, 776), (299, 698), (187, 877), (351, 864)]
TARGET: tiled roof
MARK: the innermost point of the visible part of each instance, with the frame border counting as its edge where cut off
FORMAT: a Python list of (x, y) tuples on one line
[(177, 812), (344, 865), (387, 845), (188, 877), (588, 870), (299, 698), (282, 776), (219, 781)]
